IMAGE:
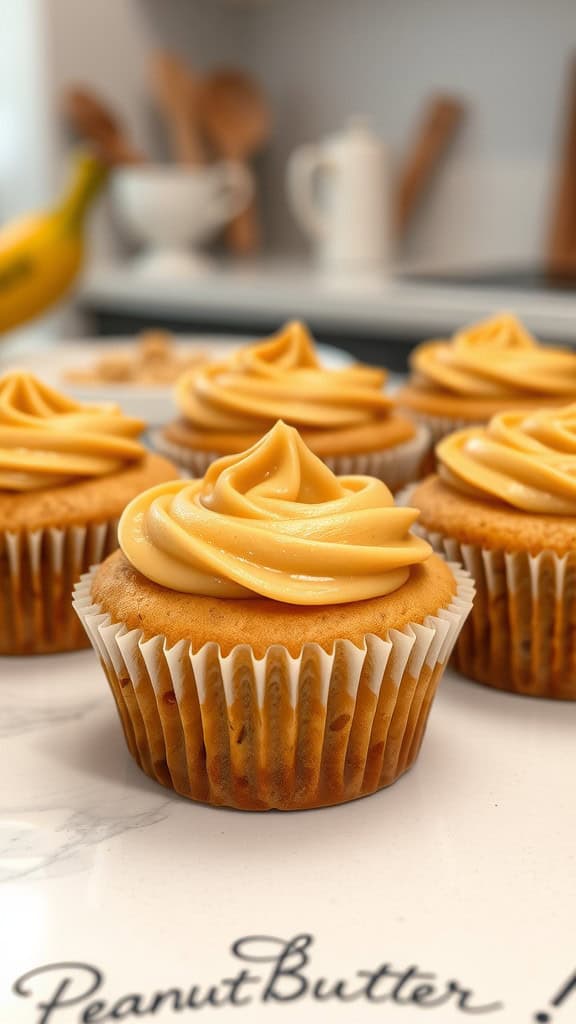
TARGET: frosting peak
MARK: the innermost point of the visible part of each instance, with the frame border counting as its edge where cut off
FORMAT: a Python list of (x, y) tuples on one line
[(280, 378), (273, 522), (496, 358), (47, 439), (525, 460), (292, 348), (502, 333)]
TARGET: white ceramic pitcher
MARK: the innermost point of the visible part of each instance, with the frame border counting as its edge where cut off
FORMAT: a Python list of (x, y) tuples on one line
[(340, 192)]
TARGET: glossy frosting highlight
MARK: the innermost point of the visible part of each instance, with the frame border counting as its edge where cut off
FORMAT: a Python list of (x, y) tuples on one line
[(47, 439), (280, 378), (527, 461), (496, 358), (273, 522)]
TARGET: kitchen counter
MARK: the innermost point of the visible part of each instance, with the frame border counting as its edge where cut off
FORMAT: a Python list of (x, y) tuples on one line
[(262, 295), (451, 892)]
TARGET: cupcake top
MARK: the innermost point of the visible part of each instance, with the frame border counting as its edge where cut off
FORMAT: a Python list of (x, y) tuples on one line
[(47, 439), (526, 461), (273, 522), (495, 359), (280, 378)]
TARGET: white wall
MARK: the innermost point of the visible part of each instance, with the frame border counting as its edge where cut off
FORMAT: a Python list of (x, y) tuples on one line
[(320, 60), (323, 60), (26, 140), (107, 45), (47, 44)]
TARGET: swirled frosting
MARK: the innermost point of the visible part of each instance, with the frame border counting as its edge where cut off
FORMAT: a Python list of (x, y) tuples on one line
[(496, 358), (273, 522), (525, 460), (280, 378), (47, 439)]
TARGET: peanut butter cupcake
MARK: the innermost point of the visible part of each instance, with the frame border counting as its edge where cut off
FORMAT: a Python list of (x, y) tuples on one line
[(504, 503), (490, 367), (273, 635), (66, 472), (343, 415)]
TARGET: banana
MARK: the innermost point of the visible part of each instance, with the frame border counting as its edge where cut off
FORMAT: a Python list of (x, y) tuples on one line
[(40, 255)]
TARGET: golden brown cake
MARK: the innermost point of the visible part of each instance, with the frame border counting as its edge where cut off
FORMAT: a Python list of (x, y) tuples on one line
[(273, 635), (128, 596), (504, 503), (487, 368), (343, 416), (84, 501), (66, 473)]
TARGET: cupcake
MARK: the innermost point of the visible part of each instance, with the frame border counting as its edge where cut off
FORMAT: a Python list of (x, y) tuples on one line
[(504, 503), (273, 634), (491, 367), (66, 473), (343, 415)]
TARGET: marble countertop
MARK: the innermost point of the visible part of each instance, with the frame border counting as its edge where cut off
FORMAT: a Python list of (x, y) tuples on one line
[(450, 896), (373, 305)]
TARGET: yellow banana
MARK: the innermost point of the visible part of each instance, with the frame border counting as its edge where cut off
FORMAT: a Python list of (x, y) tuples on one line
[(41, 254)]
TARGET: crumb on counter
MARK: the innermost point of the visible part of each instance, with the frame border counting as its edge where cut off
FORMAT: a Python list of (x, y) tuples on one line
[(154, 361)]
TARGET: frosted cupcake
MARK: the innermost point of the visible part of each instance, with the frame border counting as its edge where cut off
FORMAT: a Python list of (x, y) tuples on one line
[(493, 366), (273, 635), (504, 503), (66, 472), (343, 415)]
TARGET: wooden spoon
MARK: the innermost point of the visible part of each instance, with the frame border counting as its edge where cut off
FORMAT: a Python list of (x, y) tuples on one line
[(92, 119), (442, 117), (176, 90), (561, 256), (236, 120)]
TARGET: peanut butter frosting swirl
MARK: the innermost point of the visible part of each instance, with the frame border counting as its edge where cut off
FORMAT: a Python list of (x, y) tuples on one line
[(273, 522), (47, 439), (280, 378), (524, 460), (496, 358)]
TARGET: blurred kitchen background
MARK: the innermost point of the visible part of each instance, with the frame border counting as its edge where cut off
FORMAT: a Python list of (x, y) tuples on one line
[(464, 115)]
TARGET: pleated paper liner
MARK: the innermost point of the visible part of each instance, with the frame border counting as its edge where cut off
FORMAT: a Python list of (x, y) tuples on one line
[(521, 635), (396, 466), (38, 570), (278, 731), (440, 426)]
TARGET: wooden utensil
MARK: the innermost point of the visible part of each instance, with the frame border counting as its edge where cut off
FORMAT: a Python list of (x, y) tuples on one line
[(92, 119), (442, 117), (235, 117), (176, 91), (561, 254)]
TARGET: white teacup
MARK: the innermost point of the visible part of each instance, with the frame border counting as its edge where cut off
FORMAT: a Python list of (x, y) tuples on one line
[(172, 210)]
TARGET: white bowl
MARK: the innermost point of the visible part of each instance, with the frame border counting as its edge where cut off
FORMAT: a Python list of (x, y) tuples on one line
[(170, 211)]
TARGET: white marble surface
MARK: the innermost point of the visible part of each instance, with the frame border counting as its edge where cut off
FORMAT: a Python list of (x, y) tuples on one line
[(373, 304), (466, 868)]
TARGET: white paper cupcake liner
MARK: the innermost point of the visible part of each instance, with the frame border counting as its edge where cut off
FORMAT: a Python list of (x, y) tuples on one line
[(396, 466), (278, 731), (441, 426), (38, 570), (521, 635), (192, 462)]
